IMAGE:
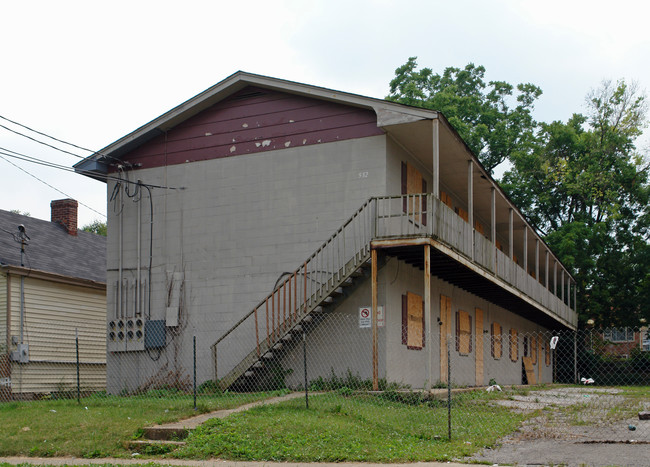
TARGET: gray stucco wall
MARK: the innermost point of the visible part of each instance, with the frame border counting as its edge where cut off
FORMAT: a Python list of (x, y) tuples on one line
[(236, 225)]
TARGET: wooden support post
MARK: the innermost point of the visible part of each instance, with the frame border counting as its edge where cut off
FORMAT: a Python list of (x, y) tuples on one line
[(493, 221), (546, 282), (375, 363), (511, 234), (562, 271), (427, 314), (537, 260), (470, 205), (526, 248), (436, 158)]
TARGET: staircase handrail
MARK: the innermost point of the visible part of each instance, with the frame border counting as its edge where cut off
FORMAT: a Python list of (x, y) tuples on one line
[(356, 214)]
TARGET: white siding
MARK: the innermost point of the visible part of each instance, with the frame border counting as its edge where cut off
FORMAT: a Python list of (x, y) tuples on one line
[(53, 313)]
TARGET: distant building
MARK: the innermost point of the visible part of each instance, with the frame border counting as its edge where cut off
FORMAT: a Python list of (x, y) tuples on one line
[(51, 293)]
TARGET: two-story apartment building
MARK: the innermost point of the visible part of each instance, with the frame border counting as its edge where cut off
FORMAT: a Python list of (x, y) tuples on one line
[(245, 213)]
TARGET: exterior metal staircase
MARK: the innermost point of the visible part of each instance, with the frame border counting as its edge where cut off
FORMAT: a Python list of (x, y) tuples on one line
[(314, 288), (300, 300)]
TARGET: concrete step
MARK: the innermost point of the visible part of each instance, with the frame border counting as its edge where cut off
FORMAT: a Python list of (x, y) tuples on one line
[(163, 433)]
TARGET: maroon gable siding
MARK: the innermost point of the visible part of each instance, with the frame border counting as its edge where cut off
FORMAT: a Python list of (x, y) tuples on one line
[(255, 120)]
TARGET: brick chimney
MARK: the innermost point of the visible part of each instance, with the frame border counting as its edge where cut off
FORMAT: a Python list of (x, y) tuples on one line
[(64, 212)]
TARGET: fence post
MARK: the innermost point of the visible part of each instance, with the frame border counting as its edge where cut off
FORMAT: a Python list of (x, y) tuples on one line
[(76, 338), (575, 356), (304, 360), (194, 356), (448, 389)]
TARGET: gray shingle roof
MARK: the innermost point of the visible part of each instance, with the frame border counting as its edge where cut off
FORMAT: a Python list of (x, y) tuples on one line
[(52, 249)]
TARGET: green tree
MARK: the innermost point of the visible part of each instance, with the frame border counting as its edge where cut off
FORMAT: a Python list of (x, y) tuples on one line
[(492, 118), (585, 186), (97, 227)]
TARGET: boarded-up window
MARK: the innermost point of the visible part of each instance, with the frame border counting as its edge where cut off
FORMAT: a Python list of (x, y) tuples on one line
[(533, 349), (547, 351), (463, 214), (514, 345), (498, 244), (445, 198), (463, 332), (526, 345), (496, 341), (479, 227), (412, 321), (414, 183)]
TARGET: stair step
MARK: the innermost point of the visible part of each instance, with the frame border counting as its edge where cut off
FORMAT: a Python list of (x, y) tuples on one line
[(248, 373), (328, 300), (338, 291), (268, 355), (298, 328), (347, 282), (277, 346), (165, 433), (258, 364), (307, 319), (287, 337), (318, 309)]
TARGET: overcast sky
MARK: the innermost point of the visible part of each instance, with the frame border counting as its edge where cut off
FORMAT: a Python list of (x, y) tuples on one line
[(90, 72)]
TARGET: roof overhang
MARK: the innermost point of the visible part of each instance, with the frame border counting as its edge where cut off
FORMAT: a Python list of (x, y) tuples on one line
[(52, 277), (388, 113)]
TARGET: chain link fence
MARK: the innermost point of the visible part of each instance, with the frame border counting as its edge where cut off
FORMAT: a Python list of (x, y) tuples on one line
[(591, 385)]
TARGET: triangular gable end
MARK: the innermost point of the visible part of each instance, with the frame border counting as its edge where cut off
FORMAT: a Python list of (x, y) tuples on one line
[(254, 120)]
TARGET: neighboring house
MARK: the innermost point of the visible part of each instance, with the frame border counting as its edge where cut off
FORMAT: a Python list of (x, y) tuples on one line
[(63, 290), (246, 213), (622, 342)]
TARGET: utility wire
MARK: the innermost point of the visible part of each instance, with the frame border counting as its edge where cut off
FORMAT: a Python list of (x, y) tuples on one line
[(41, 142), (35, 160), (54, 188), (56, 139)]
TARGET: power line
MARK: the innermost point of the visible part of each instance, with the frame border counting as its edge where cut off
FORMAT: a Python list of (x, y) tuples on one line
[(42, 142), (35, 160), (45, 183), (55, 139)]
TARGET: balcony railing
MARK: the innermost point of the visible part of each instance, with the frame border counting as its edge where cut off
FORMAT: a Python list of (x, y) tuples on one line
[(421, 215)]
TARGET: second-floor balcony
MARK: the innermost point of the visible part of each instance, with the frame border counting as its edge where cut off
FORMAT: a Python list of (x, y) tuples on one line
[(520, 274)]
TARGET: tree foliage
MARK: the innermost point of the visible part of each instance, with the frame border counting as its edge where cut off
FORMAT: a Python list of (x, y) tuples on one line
[(493, 118), (97, 227), (582, 182), (585, 186)]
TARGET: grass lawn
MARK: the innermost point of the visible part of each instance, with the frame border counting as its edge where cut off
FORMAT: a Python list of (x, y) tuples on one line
[(100, 425), (363, 428)]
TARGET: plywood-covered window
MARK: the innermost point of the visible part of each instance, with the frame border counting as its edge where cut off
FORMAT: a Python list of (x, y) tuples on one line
[(533, 349), (547, 353), (463, 214), (413, 321), (514, 345), (445, 198), (526, 345), (479, 227), (496, 342), (414, 183), (463, 332)]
